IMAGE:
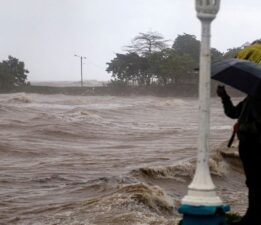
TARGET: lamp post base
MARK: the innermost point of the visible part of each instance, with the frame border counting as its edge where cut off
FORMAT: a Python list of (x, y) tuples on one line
[(203, 215), (207, 197)]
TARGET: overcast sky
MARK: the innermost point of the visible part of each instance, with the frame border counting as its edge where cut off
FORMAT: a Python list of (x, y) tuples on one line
[(46, 34)]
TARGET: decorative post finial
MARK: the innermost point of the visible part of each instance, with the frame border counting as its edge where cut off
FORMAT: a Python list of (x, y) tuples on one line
[(207, 9)]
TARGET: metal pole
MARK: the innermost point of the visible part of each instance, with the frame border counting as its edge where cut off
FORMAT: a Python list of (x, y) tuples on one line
[(81, 73), (81, 58)]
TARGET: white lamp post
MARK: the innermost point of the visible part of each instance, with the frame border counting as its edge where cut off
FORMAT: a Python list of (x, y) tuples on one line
[(202, 191), (202, 206)]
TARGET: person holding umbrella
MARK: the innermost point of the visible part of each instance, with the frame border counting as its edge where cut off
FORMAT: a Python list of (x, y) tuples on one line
[(248, 130)]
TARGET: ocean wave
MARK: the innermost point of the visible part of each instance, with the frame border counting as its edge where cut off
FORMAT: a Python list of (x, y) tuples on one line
[(81, 112), (104, 184), (231, 155), (179, 172), (57, 132), (174, 102), (21, 98), (129, 204), (184, 171), (55, 149), (74, 101), (50, 178), (152, 197)]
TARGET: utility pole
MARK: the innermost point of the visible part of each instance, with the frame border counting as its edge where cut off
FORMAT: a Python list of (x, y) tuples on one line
[(81, 58)]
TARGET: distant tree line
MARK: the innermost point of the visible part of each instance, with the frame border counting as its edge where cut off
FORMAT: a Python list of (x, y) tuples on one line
[(12, 73), (150, 60)]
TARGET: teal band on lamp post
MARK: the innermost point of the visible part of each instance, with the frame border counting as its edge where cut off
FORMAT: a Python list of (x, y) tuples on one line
[(201, 205)]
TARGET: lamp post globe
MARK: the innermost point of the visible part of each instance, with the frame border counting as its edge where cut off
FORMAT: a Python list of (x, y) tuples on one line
[(202, 191)]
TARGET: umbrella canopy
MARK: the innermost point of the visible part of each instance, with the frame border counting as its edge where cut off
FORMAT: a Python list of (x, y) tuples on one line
[(240, 74)]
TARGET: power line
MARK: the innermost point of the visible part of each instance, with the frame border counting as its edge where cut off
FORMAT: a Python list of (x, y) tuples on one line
[(90, 61)]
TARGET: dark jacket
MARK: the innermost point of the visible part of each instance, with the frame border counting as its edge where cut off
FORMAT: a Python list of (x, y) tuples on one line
[(248, 113)]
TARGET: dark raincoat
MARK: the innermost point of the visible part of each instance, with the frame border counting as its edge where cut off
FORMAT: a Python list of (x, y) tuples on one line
[(248, 113)]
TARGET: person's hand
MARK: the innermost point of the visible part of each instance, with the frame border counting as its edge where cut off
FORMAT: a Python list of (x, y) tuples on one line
[(221, 91)]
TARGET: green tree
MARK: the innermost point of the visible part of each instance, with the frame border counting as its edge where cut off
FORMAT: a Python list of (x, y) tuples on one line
[(216, 55), (187, 44), (6, 79), (169, 67), (231, 52), (146, 43), (12, 73), (128, 67), (149, 59), (179, 66), (155, 69)]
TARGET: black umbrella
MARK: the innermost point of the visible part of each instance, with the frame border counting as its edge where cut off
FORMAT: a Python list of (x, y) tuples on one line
[(241, 74)]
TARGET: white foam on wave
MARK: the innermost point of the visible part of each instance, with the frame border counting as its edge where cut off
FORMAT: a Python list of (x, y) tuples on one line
[(184, 171), (79, 114), (130, 204), (20, 98)]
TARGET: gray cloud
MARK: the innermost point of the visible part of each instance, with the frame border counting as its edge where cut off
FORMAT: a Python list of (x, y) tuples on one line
[(47, 33)]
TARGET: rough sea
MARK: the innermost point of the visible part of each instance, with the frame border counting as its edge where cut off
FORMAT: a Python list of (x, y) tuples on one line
[(86, 160)]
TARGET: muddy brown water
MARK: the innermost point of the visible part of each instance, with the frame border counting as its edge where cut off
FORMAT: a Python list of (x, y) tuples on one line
[(105, 160)]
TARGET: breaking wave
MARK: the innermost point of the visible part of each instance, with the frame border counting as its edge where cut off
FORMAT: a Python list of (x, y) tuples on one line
[(105, 160), (184, 171), (21, 98), (134, 204)]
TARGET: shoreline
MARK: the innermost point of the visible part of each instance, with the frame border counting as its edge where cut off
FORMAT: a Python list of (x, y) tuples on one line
[(177, 90)]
